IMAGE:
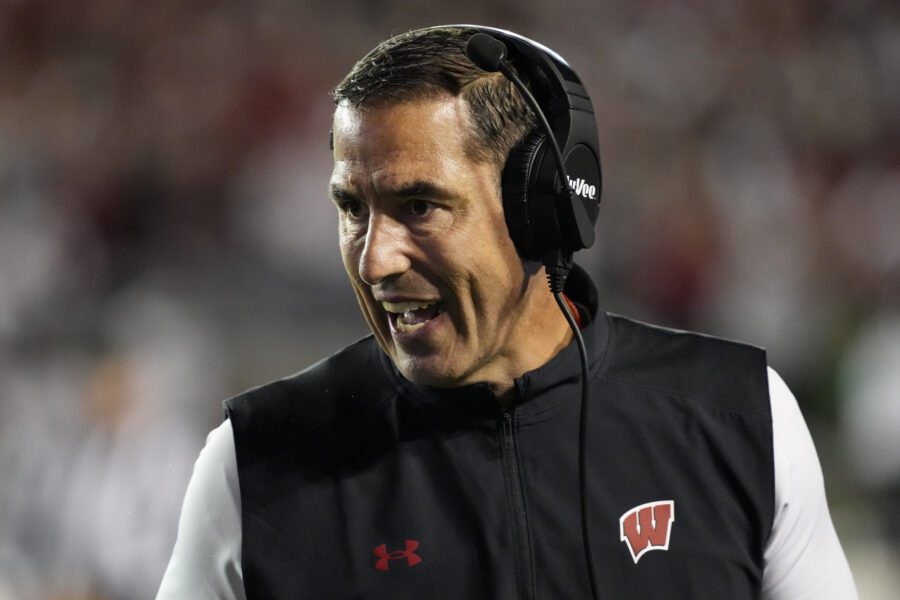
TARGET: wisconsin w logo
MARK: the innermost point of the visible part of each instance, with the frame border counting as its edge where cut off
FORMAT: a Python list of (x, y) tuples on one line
[(647, 527)]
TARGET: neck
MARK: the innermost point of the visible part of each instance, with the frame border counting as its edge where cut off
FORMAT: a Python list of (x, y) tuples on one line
[(543, 333)]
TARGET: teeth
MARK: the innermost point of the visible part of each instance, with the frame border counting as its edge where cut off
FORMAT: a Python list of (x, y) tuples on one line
[(405, 327), (402, 307)]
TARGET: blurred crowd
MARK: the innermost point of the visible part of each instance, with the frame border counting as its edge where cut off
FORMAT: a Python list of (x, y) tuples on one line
[(166, 239)]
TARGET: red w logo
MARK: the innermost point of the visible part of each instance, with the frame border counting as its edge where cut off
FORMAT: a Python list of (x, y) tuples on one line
[(412, 559), (647, 527)]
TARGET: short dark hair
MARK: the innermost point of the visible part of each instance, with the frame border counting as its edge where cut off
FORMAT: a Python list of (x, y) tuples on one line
[(431, 61)]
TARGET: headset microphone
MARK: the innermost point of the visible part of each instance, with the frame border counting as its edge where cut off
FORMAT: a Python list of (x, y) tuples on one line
[(575, 227), (486, 51)]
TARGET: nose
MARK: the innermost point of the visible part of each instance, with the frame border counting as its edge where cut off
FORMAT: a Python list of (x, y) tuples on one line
[(385, 251)]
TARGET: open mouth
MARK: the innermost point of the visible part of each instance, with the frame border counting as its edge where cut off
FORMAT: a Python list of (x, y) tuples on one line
[(407, 317)]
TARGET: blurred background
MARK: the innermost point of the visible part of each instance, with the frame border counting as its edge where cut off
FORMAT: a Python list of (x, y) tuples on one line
[(166, 240)]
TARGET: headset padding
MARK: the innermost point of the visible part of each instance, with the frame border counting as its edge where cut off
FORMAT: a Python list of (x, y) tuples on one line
[(517, 177)]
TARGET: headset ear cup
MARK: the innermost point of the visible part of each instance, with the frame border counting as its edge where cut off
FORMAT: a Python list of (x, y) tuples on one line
[(517, 193)]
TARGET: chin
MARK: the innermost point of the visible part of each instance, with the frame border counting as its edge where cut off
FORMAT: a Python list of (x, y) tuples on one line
[(423, 371)]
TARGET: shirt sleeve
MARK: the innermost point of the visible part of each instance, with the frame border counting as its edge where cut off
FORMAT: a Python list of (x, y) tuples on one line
[(803, 557), (206, 560)]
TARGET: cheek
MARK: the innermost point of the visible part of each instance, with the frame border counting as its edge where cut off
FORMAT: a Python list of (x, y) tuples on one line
[(493, 274), (349, 263), (350, 249)]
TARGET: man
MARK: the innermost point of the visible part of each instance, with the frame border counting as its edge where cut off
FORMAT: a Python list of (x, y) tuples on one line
[(438, 457)]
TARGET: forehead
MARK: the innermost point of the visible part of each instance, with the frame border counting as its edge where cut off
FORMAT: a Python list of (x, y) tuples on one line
[(424, 137)]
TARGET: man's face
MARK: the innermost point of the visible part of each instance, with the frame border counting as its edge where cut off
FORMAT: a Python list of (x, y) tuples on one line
[(424, 242)]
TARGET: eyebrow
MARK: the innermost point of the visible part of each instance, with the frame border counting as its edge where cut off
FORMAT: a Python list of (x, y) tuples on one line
[(420, 188), (413, 189), (339, 194)]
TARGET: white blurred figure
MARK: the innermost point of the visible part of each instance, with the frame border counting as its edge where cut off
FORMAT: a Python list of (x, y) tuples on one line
[(862, 217), (41, 423), (870, 394), (870, 398), (102, 451), (763, 290), (133, 469)]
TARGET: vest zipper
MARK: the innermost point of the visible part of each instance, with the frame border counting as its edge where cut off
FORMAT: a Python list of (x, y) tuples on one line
[(513, 478)]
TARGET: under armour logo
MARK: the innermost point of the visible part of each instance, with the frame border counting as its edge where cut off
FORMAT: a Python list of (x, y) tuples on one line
[(647, 527), (384, 557)]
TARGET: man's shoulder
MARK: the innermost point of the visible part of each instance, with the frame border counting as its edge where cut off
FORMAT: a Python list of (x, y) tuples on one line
[(686, 363), (351, 381)]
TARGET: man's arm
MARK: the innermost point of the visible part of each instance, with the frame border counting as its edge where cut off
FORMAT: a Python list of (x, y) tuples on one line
[(206, 561), (804, 559)]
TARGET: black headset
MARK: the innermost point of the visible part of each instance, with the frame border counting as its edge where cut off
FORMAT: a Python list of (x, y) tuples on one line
[(542, 209)]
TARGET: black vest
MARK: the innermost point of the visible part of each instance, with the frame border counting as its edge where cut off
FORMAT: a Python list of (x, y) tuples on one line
[(356, 483)]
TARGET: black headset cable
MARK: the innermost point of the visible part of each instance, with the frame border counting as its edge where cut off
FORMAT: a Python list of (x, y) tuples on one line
[(582, 436), (489, 54)]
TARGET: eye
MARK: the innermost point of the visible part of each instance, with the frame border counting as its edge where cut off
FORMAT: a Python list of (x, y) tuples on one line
[(418, 208), (353, 208)]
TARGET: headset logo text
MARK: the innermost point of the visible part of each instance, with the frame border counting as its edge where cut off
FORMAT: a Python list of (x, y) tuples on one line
[(583, 188)]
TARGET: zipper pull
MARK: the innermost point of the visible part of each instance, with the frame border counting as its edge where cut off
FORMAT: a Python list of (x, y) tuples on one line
[(508, 428)]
